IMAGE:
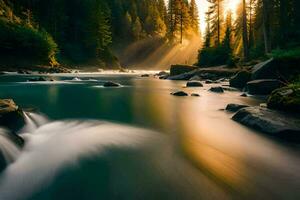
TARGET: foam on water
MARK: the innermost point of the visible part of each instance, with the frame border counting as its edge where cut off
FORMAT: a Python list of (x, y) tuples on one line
[(57, 144), (8, 149)]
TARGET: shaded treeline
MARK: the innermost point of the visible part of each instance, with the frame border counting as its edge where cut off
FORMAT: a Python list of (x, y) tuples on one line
[(261, 26), (91, 31)]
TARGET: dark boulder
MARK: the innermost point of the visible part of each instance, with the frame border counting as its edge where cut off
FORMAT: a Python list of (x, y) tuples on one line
[(181, 69), (263, 87), (111, 84), (286, 99), (180, 94), (240, 79), (276, 68), (145, 75), (235, 107), (11, 116), (40, 79), (269, 121), (194, 84), (217, 89)]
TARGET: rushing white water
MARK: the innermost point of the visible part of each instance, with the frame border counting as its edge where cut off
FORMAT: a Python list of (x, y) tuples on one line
[(57, 144), (8, 149), (33, 121)]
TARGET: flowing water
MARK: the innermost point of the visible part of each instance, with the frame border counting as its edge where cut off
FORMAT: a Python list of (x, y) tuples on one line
[(84, 141)]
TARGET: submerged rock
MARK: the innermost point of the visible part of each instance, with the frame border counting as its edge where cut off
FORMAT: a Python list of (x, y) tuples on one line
[(235, 107), (244, 95), (263, 86), (180, 94), (39, 79), (269, 121), (11, 116), (194, 84), (286, 99), (111, 84), (195, 95), (217, 89), (240, 79), (230, 89), (145, 75)]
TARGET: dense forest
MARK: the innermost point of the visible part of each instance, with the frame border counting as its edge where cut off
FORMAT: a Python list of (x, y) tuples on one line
[(89, 31), (261, 28)]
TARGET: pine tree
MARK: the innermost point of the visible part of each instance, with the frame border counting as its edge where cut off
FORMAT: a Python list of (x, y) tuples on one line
[(194, 16), (216, 12)]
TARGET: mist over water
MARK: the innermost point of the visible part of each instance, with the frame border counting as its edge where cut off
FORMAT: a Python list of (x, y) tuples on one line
[(156, 54)]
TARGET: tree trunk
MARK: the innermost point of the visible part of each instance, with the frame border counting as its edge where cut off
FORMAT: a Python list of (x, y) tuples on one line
[(218, 22), (245, 33), (266, 26)]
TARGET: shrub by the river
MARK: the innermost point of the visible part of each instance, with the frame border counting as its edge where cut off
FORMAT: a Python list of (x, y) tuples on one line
[(24, 42)]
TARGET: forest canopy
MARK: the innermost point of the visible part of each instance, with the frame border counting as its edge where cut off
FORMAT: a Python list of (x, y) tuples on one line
[(262, 27), (80, 31)]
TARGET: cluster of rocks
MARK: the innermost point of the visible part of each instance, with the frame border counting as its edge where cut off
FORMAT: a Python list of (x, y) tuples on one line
[(184, 94)]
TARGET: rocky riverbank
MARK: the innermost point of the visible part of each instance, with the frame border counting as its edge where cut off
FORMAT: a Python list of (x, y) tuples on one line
[(280, 117)]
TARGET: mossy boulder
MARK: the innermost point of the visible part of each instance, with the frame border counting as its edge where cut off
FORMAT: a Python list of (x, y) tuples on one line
[(11, 116), (286, 99)]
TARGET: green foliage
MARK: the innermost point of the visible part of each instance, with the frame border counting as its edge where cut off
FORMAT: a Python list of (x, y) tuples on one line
[(286, 54), (26, 42), (213, 56)]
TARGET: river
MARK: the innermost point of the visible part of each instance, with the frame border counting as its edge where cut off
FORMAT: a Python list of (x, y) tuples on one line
[(84, 141)]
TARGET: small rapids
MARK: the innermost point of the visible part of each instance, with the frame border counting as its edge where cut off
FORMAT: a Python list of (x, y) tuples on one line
[(33, 121), (8, 149)]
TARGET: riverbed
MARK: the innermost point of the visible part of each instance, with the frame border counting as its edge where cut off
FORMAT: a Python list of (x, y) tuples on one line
[(85, 141)]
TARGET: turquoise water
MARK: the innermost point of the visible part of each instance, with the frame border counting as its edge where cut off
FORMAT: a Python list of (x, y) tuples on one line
[(139, 142)]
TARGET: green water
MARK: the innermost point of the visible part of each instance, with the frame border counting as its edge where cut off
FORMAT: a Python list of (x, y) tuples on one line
[(184, 148)]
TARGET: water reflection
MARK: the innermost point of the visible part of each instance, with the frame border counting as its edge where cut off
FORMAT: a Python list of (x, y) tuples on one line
[(207, 152)]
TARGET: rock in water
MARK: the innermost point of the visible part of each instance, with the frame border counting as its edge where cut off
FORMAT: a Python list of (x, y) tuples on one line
[(195, 78), (195, 95), (286, 99), (235, 107), (40, 79), (145, 75), (263, 86), (111, 84), (240, 79), (180, 94), (217, 89), (194, 84), (181, 69), (269, 121), (11, 116)]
